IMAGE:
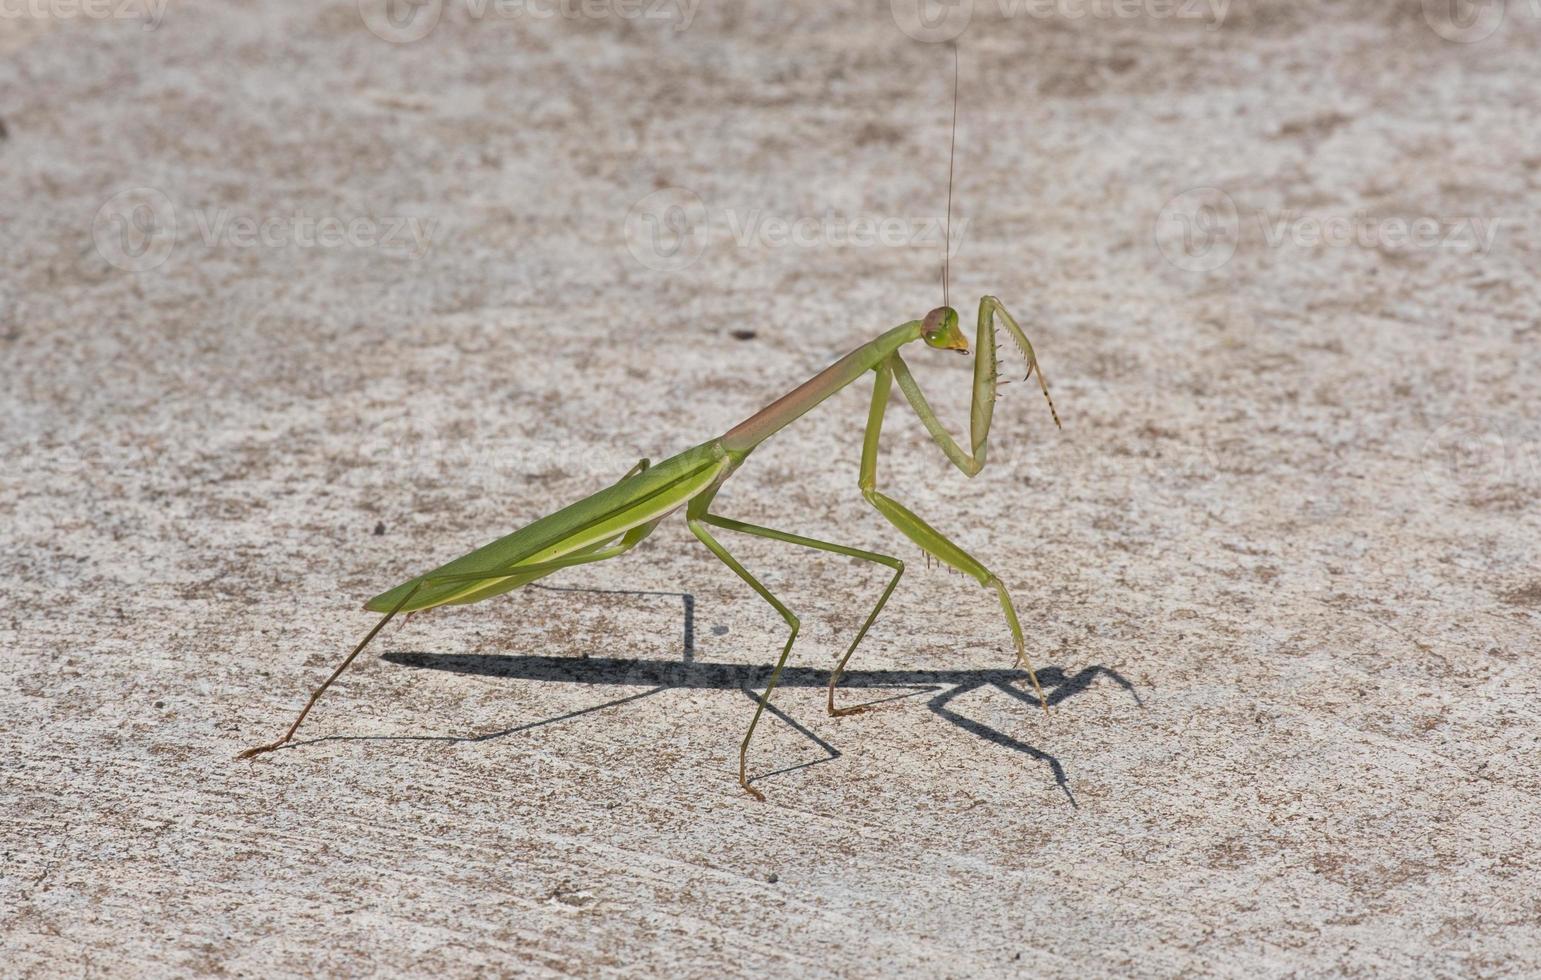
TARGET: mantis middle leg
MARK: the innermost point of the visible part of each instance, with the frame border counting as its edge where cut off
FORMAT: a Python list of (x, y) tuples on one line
[(698, 518), (839, 549), (695, 516)]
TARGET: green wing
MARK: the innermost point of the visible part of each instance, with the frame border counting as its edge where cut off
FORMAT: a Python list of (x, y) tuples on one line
[(586, 525)]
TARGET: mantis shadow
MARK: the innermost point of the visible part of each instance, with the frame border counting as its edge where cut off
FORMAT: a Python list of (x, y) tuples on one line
[(657, 676)]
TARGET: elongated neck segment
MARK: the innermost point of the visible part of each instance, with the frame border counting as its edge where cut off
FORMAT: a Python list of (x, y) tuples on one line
[(802, 399)]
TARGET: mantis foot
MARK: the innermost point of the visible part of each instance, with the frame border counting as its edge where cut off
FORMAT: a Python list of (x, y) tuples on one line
[(743, 777), (258, 750), (855, 709)]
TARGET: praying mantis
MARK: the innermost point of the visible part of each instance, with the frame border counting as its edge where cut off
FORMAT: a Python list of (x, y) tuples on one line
[(616, 519)]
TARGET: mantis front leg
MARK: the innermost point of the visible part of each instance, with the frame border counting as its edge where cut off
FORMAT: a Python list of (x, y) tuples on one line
[(986, 381), (930, 540)]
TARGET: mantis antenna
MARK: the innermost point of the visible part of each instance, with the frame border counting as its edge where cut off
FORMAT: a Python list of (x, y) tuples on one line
[(952, 152)]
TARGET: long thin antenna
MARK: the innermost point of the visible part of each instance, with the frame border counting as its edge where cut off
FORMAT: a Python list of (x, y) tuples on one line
[(952, 151)]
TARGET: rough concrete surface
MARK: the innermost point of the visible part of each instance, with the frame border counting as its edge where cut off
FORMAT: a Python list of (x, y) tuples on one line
[(291, 311)]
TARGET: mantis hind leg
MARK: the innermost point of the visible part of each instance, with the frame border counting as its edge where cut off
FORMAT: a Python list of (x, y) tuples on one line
[(533, 571)]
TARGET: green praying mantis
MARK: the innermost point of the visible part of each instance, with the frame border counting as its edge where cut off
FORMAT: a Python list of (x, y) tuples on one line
[(617, 518)]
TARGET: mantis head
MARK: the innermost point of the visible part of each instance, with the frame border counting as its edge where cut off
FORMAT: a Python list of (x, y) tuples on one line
[(940, 328)]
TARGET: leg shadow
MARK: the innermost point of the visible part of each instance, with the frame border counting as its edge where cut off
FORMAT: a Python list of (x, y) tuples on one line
[(938, 705), (666, 675), (831, 753), (689, 673)]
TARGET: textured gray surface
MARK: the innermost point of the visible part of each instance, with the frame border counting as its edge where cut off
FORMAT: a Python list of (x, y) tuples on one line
[(1293, 508)]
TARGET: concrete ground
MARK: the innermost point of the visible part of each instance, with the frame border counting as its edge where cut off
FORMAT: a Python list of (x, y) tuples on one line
[(301, 299)]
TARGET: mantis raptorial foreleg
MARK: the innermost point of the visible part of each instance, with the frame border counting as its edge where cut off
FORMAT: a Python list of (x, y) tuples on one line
[(986, 381), (930, 540)]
